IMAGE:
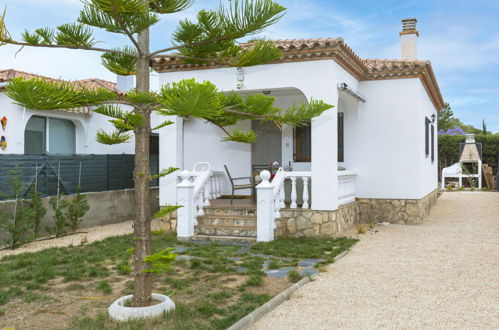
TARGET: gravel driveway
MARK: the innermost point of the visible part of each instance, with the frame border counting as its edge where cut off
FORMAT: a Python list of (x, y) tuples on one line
[(441, 274)]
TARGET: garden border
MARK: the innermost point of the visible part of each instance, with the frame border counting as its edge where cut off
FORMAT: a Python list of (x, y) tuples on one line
[(250, 319)]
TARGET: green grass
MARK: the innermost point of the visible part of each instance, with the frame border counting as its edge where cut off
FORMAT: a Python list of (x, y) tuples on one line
[(104, 287), (305, 247), (203, 287), (294, 276)]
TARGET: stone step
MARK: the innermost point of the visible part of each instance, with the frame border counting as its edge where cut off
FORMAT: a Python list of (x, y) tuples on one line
[(227, 220), (223, 230), (222, 239), (230, 210)]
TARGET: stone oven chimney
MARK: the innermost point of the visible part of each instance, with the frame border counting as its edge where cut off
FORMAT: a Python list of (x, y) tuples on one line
[(408, 39)]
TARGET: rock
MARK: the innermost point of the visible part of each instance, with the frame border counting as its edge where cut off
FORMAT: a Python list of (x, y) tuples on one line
[(302, 223), (291, 225), (309, 233), (317, 218), (327, 229)]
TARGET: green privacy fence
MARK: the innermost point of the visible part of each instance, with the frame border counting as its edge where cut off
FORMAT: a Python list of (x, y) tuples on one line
[(93, 173)]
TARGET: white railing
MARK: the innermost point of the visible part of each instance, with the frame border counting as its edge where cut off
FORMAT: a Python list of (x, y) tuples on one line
[(194, 192), (346, 187), (270, 200)]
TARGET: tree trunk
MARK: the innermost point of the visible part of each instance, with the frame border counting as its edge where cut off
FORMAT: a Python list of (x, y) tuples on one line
[(142, 221)]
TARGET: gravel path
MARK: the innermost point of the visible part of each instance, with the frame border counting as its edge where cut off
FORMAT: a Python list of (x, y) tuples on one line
[(442, 274), (90, 235)]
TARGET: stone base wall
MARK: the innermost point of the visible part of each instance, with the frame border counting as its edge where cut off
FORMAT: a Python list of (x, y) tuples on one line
[(397, 211), (169, 222), (314, 223)]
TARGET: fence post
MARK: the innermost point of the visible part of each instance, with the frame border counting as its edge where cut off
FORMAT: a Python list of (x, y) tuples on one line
[(265, 209), (185, 199)]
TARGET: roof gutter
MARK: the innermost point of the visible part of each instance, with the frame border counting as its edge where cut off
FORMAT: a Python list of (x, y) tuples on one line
[(356, 94)]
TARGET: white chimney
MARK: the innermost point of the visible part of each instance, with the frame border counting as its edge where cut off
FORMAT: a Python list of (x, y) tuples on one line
[(125, 83), (408, 39)]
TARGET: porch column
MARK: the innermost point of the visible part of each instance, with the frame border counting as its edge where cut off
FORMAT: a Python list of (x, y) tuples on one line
[(325, 151), (170, 155)]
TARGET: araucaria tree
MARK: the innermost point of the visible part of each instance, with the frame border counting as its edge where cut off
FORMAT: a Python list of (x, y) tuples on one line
[(212, 38)]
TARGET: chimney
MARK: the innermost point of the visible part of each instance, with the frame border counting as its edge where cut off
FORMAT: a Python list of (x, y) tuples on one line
[(125, 83), (408, 39)]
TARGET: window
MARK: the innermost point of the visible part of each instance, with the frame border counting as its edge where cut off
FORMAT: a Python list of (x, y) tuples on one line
[(432, 143), (49, 135), (303, 143), (427, 136), (35, 136), (341, 138)]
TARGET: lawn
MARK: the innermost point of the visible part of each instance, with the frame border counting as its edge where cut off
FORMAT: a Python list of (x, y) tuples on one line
[(213, 285)]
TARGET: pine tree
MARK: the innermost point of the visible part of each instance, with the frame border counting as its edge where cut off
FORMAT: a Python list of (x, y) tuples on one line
[(17, 221), (77, 209), (212, 39), (484, 127), (37, 210)]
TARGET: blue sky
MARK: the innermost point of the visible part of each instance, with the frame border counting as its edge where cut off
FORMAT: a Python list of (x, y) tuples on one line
[(460, 37)]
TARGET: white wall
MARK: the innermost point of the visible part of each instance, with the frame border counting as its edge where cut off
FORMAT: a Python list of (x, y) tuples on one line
[(86, 128), (315, 79), (384, 140)]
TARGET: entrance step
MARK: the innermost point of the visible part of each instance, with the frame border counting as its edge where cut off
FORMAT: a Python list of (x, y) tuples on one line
[(222, 239), (230, 210), (231, 223), (235, 231), (227, 220)]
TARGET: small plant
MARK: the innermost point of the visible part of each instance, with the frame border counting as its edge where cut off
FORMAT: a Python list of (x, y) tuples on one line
[(160, 262), (484, 189), (58, 205), (361, 229), (123, 268), (37, 209), (76, 210), (460, 188), (294, 276), (450, 186), (104, 287), (371, 225), (16, 222)]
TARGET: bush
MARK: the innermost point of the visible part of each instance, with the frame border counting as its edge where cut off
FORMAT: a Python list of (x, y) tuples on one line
[(17, 222), (76, 210)]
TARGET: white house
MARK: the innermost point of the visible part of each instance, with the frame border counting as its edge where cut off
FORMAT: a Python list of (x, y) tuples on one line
[(54, 132), (373, 157)]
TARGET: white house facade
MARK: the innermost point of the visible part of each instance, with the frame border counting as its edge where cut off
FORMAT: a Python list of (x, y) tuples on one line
[(54, 132), (373, 155)]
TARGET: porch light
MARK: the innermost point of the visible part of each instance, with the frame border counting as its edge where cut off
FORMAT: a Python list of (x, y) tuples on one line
[(433, 117), (354, 93), (240, 78)]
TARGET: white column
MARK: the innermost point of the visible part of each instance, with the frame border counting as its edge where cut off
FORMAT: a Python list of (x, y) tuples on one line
[(305, 192), (185, 214), (265, 209), (325, 148), (293, 193), (170, 146)]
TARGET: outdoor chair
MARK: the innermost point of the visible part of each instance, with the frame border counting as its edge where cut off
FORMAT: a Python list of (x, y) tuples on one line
[(250, 185)]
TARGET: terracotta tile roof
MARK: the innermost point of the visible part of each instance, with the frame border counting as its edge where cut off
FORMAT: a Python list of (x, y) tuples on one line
[(92, 83), (5, 75), (300, 50)]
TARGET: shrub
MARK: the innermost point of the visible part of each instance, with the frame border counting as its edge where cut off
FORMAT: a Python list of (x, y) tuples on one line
[(76, 210), (37, 210), (361, 229), (58, 205), (16, 222)]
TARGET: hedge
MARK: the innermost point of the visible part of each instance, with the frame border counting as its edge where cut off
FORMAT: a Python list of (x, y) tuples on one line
[(448, 150)]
